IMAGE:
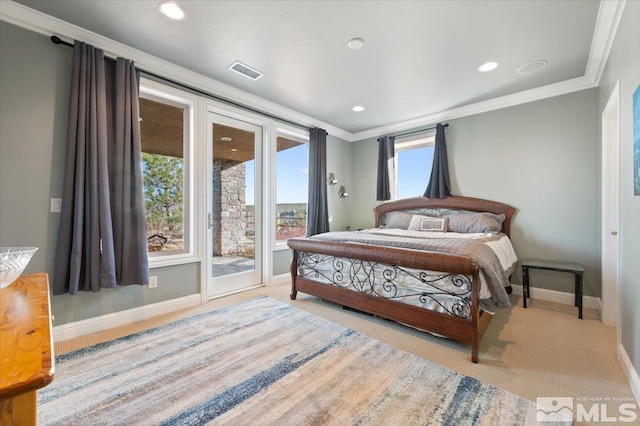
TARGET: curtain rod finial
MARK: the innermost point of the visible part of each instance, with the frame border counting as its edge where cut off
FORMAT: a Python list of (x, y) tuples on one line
[(57, 40)]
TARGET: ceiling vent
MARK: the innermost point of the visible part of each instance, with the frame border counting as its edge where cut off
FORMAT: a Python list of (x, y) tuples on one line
[(246, 70)]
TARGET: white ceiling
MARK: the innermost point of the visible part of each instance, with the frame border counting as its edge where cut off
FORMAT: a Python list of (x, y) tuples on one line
[(419, 57)]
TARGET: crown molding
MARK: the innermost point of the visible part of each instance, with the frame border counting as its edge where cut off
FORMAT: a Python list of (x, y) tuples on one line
[(609, 17), (523, 97), (607, 23), (41, 23)]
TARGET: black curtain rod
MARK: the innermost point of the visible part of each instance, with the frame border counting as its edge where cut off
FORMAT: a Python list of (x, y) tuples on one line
[(58, 40), (418, 131)]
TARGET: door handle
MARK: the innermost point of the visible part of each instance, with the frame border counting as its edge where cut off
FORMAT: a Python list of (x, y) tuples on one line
[(614, 233)]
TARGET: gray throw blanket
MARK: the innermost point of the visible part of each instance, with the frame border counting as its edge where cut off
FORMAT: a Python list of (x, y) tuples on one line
[(495, 277)]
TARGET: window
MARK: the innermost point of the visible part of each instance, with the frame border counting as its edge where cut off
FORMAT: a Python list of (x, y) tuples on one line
[(292, 175), (413, 159), (166, 128)]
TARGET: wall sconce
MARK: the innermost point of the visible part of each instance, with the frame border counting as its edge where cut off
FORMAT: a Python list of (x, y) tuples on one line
[(332, 179), (343, 192)]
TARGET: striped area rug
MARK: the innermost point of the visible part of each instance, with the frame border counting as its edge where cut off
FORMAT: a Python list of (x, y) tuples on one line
[(264, 362)]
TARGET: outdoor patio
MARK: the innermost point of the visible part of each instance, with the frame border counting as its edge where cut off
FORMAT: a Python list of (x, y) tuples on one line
[(226, 265)]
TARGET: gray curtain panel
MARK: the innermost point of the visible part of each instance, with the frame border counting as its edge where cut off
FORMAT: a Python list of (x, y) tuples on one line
[(125, 177), (85, 250), (317, 208), (386, 172), (439, 186)]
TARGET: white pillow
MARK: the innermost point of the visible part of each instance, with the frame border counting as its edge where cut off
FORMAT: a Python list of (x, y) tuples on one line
[(429, 224)]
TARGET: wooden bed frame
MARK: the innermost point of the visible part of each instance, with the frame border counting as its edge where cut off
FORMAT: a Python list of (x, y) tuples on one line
[(465, 330)]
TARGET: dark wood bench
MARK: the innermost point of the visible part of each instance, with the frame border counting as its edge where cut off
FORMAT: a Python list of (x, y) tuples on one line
[(573, 268)]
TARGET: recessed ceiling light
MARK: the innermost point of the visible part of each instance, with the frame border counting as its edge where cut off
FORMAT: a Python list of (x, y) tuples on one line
[(172, 10), (226, 138), (234, 150), (532, 67), (355, 43), (488, 66), (358, 108)]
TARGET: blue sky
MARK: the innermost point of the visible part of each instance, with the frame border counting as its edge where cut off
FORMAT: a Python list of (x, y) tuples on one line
[(292, 178), (292, 175), (250, 181), (414, 167)]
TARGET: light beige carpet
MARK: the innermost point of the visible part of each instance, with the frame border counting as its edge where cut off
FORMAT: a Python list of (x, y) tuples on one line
[(264, 362), (541, 351)]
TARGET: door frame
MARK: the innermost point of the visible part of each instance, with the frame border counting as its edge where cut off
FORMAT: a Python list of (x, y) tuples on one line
[(610, 199), (261, 185)]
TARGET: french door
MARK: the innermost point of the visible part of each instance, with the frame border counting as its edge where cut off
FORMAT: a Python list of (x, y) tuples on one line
[(234, 204)]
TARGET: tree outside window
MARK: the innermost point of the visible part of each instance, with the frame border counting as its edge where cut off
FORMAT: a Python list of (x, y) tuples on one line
[(164, 201), (162, 129)]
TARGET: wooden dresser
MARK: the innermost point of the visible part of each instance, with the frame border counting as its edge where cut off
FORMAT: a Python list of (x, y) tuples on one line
[(26, 348)]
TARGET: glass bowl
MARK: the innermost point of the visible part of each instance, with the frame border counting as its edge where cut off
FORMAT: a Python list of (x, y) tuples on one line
[(13, 260)]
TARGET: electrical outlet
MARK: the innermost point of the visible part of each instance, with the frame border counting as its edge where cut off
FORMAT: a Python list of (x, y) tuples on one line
[(56, 205), (153, 281)]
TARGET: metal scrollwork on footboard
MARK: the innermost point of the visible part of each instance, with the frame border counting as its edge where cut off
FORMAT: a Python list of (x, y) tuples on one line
[(439, 291)]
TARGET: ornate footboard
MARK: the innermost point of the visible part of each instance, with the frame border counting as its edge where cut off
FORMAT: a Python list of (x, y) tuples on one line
[(464, 323), (462, 320)]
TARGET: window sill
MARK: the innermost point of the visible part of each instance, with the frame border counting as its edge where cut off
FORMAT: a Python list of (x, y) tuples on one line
[(281, 246), (172, 260)]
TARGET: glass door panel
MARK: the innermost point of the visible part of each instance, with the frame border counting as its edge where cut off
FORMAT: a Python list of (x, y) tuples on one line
[(235, 207)]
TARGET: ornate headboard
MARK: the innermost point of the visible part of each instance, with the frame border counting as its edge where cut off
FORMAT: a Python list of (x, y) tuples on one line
[(440, 206)]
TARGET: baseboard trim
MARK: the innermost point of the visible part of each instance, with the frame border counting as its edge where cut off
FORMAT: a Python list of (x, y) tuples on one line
[(630, 372), (281, 279), (104, 322), (565, 298)]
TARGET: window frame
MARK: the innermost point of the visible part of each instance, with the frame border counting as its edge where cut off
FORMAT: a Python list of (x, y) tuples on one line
[(406, 144), (171, 96), (302, 137)]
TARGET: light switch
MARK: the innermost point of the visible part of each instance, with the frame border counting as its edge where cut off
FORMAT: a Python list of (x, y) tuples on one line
[(56, 205)]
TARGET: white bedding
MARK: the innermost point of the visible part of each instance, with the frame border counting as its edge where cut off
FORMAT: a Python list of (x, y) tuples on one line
[(508, 259)]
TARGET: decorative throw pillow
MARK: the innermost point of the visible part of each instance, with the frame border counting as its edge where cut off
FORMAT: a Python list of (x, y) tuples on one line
[(397, 220), (427, 223), (475, 222)]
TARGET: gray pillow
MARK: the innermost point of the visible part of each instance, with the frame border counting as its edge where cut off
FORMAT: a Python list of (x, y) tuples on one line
[(397, 220), (429, 224), (475, 222)]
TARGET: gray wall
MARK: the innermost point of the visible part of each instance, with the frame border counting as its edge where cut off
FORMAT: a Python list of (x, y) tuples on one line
[(543, 159), (34, 86), (339, 162), (624, 64), (281, 262), (35, 77)]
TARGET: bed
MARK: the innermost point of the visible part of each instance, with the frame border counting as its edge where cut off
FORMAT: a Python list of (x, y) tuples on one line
[(438, 265)]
